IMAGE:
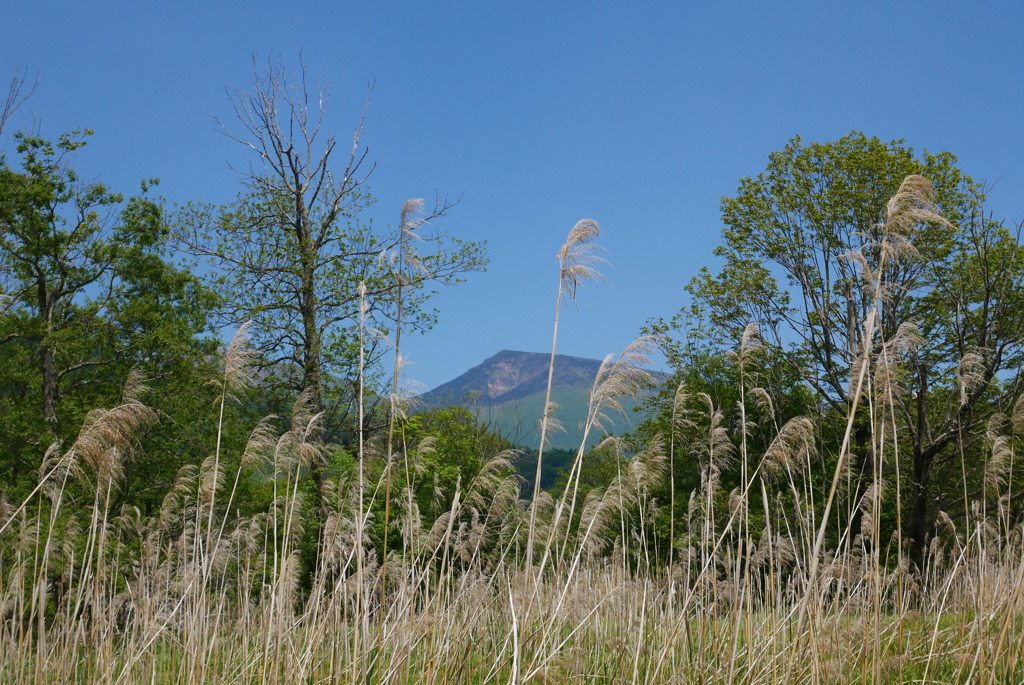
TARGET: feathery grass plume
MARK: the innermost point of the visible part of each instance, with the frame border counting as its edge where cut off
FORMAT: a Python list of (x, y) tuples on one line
[(716, 446), (620, 377), (238, 361), (178, 496), (405, 396), (895, 247), (998, 464), (134, 387), (336, 542), (577, 258), (409, 522), (630, 488), (678, 422), (211, 478), (260, 444), (784, 453), (680, 419), (505, 500), (970, 375), (871, 499), (53, 473), (545, 503), (413, 205), (996, 426), (749, 347), (402, 259), (490, 476), (750, 341), (306, 430), (236, 377), (943, 521), (108, 435), (615, 377), (418, 457), (908, 208), (1017, 416), (548, 424), (750, 344), (6, 510), (912, 205), (737, 503), (546, 529), (647, 467), (440, 530), (577, 264), (861, 356), (596, 514), (868, 277), (777, 548), (763, 402), (897, 352)]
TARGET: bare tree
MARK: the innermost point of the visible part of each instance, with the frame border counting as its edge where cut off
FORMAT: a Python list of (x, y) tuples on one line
[(18, 92), (290, 252)]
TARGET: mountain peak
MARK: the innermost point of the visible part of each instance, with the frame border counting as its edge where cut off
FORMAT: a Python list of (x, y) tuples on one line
[(507, 391), (511, 374)]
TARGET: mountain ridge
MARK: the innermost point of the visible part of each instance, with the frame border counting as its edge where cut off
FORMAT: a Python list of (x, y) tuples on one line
[(507, 391)]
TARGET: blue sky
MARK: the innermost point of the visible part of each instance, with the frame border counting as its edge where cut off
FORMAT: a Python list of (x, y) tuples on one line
[(538, 114)]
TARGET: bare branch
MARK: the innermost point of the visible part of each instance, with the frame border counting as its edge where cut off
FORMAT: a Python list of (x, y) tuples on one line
[(18, 92)]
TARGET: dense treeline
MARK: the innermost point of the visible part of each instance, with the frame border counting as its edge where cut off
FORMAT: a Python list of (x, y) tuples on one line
[(858, 282), (830, 473)]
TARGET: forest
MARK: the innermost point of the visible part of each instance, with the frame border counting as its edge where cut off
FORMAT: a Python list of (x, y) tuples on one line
[(824, 491)]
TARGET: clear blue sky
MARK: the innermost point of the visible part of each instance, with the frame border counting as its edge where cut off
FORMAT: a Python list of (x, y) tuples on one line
[(538, 113)]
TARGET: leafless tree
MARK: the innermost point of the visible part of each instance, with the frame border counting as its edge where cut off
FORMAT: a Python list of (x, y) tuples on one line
[(19, 90), (290, 253)]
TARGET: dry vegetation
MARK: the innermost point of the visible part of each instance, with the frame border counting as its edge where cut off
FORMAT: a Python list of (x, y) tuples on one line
[(810, 591)]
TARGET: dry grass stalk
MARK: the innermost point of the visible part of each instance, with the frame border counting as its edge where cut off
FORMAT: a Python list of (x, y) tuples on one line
[(577, 264), (116, 596)]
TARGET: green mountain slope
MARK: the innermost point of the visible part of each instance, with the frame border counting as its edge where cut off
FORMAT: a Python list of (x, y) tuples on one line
[(507, 390)]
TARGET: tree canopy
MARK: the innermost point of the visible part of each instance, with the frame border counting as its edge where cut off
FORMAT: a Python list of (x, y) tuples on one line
[(813, 248), (86, 295)]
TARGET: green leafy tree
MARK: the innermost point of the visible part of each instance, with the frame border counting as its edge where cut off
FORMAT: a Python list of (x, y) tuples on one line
[(753, 395), (87, 296), (801, 238), (459, 448)]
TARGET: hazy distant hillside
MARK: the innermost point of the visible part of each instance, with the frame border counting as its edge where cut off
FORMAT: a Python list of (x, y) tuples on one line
[(507, 391)]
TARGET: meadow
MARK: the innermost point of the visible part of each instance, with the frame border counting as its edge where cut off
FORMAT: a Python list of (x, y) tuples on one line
[(784, 565)]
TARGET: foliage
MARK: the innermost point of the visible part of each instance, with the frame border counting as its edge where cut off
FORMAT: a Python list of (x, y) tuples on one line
[(86, 295), (814, 249), (556, 463), (853, 347), (458, 447)]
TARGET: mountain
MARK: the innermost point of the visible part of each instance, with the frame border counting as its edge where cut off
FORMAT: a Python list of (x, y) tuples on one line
[(507, 392)]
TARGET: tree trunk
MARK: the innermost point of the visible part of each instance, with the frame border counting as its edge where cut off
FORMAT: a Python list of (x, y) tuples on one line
[(49, 390), (917, 526), (312, 363), (45, 301), (312, 358)]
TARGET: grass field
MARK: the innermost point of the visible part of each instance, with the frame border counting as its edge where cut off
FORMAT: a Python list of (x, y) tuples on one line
[(791, 576)]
